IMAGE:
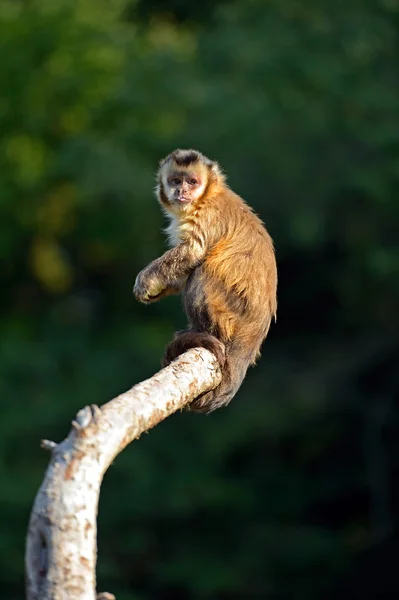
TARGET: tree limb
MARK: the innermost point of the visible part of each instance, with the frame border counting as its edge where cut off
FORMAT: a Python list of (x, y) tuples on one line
[(61, 547)]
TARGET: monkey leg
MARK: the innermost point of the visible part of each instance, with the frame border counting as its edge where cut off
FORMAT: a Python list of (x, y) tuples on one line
[(184, 340)]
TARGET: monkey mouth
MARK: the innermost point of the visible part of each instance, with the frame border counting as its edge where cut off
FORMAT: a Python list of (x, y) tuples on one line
[(183, 199)]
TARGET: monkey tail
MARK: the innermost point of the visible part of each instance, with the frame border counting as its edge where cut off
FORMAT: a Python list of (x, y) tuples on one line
[(233, 362), (233, 373), (184, 340)]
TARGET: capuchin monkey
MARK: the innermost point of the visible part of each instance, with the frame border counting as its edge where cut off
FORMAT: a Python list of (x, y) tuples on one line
[(222, 260)]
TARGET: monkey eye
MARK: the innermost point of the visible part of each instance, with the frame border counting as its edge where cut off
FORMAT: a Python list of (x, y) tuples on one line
[(193, 182), (175, 181)]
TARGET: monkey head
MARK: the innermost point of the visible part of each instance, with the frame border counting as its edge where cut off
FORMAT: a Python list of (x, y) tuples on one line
[(184, 176)]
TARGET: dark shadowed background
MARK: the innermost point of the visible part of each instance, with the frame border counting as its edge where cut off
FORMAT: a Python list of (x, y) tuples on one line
[(291, 493)]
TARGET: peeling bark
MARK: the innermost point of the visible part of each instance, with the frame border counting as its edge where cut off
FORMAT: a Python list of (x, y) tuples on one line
[(61, 547)]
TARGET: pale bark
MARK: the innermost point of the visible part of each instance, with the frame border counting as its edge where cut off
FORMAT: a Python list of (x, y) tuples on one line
[(61, 549)]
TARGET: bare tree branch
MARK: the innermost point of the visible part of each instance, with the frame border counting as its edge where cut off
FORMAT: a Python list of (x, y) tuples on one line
[(61, 548)]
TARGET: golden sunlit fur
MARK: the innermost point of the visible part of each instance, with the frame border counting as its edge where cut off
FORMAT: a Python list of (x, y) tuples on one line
[(222, 260)]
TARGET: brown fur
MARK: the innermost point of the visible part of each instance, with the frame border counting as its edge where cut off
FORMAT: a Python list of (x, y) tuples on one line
[(223, 261)]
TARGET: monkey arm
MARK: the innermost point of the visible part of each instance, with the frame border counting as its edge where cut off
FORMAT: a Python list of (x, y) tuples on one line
[(168, 274)]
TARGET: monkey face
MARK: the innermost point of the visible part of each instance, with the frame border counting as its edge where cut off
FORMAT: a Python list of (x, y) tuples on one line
[(183, 187)]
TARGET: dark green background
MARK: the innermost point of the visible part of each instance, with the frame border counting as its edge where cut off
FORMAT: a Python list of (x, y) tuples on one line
[(292, 491)]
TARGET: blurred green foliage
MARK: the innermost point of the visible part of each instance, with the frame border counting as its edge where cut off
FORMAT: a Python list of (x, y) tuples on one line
[(292, 491)]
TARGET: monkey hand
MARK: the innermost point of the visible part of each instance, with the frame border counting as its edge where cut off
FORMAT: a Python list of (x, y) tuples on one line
[(148, 286)]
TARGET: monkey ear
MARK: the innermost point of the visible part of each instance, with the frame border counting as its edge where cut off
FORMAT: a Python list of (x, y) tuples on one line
[(216, 170)]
